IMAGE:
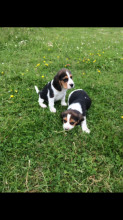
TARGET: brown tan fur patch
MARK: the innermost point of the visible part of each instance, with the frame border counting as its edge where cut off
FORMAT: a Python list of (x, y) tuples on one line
[(64, 84)]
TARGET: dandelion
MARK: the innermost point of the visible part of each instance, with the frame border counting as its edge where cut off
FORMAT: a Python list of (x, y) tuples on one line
[(79, 59), (44, 57), (42, 76), (48, 49), (90, 53), (83, 60), (98, 71), (16, 91), (102, 52), (57, 56), (99, 55), (83, 73), (22, 74), (50, 62), (77, 62), (11, 96), (38, 64), (44, 61), (27, 70), (94, 61), (65, 65), (46, 64), (2, 72), (88, 59), (121, 116), (67, 59), (27, 89), (121, 58)]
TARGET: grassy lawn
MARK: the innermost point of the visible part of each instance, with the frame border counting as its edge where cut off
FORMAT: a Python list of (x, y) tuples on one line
[(36, 155)]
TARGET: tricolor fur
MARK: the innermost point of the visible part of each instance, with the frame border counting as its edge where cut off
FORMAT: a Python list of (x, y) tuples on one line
[(79, 102), (56, 89)]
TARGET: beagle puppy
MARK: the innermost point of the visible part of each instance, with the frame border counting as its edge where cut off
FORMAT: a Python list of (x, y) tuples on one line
[(56, 89), (79, 102)]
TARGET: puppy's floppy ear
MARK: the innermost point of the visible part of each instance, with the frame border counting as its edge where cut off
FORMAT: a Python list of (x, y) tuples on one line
[(56, 83), (80, 118), (63, 114)]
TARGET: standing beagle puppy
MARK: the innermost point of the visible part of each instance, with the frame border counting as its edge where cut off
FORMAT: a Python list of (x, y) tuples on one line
[(56, 89), (79, 102)]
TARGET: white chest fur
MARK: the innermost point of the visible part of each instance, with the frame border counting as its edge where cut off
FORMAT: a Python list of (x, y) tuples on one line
[(58, 95)]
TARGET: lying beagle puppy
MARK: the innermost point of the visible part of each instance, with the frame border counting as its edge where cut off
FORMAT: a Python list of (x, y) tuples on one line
[(79, 102), (56, 89)]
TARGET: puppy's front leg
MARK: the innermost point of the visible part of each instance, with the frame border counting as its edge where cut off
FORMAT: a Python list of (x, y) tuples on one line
[(51, 105), (63, 101), (84, 126)]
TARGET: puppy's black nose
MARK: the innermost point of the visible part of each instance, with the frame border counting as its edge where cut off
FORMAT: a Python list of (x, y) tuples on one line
[(71, 85), (66, 129)]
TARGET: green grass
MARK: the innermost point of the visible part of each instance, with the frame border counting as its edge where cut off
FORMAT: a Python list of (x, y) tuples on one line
[(36, 155)]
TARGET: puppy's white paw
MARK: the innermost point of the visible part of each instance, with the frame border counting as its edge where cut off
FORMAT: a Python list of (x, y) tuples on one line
[(53, 109), (42, 105), (86, 130), (64, 103)]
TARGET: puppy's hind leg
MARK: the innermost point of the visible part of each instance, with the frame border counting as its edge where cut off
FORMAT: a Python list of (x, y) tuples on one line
[(41, 102)]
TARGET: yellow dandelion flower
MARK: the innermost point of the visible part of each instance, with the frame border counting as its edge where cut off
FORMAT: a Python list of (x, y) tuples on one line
[(27, 70), (27, 89), (121, 58), (48, 49), (65, 65), (2, 72), (16, 91), (44, 57), (88, 59), (99, 55), (83, 73), (83, 60), (98, 50), (77, 62), (38, 64), (90, 53), (46, 64), (102, 52), (121, 116), (57, 56), (67, 59), (44, 61), (11, 96), (22, 74), (79, 59), (42, 76), (50, 62), (86, 62)]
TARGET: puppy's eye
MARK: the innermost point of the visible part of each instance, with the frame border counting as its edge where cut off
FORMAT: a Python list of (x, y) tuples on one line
[(65, 80), (71, 77), (71, 123), (64, 121)]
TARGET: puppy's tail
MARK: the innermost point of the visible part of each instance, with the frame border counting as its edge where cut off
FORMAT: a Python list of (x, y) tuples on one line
[(36, 88)]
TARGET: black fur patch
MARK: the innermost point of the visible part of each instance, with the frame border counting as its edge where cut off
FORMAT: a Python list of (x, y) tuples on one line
[(43, 93), (79, 97)]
